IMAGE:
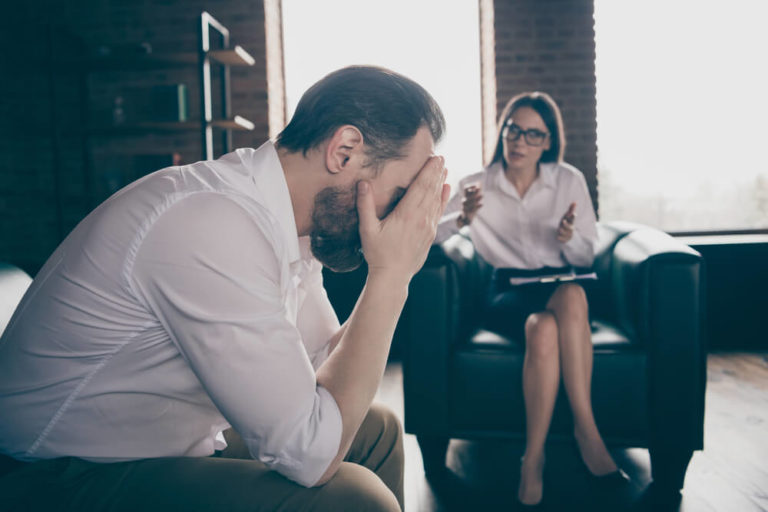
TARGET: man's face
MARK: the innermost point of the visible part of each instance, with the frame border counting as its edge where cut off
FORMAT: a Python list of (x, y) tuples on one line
[(335, 235)]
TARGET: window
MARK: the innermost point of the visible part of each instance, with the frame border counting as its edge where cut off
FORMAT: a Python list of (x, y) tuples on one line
[(681, 113), (432, 42)]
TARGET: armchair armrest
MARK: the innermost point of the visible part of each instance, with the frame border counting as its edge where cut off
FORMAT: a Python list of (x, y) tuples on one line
[(658, 289), (425, 358), (649, 271), (444, 305)]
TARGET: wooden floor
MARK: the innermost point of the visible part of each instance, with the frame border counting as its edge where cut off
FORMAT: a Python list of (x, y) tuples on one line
[(730, 475)]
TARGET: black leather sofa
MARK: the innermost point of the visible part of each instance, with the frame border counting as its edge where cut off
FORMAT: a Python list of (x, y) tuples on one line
[(649, 377)]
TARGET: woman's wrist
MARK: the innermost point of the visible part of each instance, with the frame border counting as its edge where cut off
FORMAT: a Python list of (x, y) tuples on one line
[(462, 220)]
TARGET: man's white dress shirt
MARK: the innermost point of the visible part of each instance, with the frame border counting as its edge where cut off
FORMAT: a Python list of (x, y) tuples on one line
[(510, 232), (182, 305)]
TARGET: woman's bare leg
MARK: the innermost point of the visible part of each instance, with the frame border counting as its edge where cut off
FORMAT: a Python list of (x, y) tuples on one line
[(569, 305), (541, 379)]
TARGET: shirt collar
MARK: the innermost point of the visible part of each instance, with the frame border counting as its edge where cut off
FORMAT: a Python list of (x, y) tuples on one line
[(501, 181), (546, 178), (547, 174), (268, 174)]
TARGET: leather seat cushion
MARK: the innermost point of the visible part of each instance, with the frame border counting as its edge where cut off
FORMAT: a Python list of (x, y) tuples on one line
[(605, 336)]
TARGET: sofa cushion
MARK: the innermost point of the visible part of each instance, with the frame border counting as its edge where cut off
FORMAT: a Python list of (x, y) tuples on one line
[(605, 336)]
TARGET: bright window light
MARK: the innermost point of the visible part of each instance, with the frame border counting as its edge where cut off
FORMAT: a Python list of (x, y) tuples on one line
[(681, 112), (433, 42)]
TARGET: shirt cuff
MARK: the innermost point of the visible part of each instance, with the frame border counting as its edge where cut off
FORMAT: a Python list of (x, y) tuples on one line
[(316, 445), (578, 251)]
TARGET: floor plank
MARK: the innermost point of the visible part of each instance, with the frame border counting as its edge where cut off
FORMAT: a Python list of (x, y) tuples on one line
[(731, 474)]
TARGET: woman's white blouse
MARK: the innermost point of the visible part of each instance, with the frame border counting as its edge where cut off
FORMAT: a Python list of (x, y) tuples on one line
[(510, 232)]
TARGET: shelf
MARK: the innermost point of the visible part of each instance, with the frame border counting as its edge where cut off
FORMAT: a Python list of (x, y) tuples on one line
[(236, 56), (132, 62), (145, 127), (236, 123), (213, 59)]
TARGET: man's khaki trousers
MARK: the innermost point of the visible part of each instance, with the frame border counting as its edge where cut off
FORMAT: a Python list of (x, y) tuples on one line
[(370, 479)]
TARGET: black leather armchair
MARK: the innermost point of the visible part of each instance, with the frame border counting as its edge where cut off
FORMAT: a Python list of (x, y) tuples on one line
[(649, 376)]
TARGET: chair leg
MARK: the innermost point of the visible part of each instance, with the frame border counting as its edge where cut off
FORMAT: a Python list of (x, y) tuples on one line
[(668, 467), (433, 450)]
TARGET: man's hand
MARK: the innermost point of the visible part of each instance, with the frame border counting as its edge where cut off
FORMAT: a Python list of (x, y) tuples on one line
[(397, 245), (473, 200), (565, 229)]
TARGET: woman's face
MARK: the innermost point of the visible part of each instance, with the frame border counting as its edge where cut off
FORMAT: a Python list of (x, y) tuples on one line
[(525, 137)]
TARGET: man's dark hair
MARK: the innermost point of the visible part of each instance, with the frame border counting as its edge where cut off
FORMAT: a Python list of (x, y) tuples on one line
[(386, 107)]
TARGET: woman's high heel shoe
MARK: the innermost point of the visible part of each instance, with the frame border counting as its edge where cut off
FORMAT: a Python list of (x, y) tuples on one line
[(612, 480)]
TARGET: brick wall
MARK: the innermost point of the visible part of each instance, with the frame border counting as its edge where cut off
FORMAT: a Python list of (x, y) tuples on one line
[(43, 107), (549, 45)]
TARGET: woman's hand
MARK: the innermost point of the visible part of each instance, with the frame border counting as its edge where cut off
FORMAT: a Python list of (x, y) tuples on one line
[(565, 229), (473, 200)]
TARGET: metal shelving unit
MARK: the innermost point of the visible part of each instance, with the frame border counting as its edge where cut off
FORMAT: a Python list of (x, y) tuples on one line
[(78, 131), (224, 58), (207, 60)]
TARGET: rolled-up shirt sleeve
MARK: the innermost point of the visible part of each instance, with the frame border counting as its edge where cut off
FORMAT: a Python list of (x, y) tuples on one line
[(212, 272)]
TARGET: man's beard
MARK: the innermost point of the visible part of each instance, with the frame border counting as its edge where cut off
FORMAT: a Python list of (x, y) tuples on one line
[(335, 234)]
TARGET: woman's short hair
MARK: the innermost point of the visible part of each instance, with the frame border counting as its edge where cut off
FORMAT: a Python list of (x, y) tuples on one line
[(386, 107), (546, 107)]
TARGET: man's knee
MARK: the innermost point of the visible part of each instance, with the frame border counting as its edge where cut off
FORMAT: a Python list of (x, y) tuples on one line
[(379, 438), (357, 488), (383, 426), (379, 447)]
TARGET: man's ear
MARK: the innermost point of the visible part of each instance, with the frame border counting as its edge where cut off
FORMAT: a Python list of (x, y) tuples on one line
[(345, 148)]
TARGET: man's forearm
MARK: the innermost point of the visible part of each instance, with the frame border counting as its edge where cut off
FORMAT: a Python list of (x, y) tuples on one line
[(395, 247), (354, 369)]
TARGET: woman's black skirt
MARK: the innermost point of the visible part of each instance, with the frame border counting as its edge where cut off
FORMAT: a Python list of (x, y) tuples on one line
[(509, 306)]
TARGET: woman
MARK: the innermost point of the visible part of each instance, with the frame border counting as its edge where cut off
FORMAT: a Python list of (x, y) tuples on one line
[(529, 213)]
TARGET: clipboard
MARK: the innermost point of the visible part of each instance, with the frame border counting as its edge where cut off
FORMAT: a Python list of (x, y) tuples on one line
[(553, 278)]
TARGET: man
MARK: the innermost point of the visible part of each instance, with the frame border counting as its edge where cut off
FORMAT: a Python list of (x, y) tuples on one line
[(192, 301)]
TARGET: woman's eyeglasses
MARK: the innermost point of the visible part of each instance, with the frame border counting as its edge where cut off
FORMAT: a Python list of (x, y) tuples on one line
[(533, 137)]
